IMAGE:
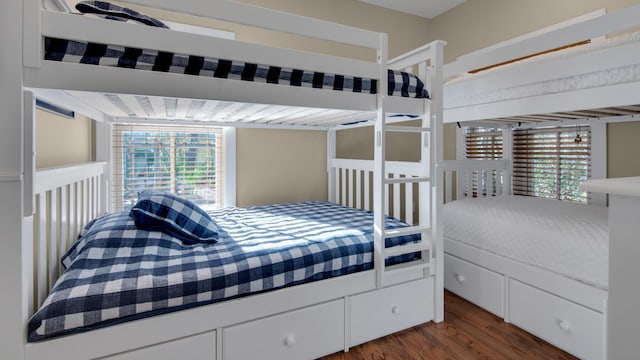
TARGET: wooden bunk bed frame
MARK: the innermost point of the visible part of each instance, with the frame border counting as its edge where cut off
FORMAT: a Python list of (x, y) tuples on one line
[(43, 209), (570, 314)]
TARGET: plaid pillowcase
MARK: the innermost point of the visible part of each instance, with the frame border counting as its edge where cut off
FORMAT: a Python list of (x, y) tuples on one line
[(175, 216), (115, 12)]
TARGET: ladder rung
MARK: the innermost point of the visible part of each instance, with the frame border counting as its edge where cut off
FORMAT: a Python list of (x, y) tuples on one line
[(406, 180), (412, 129), (416, 264), (406, 230), (406, 249)]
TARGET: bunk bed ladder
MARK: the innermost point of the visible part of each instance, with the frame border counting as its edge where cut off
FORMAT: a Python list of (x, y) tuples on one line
[(423, 246), (430, 247)]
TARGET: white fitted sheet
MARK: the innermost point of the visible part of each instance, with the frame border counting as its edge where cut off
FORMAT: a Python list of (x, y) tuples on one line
[(566, 238)]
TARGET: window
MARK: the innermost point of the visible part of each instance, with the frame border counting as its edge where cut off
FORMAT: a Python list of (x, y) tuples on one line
[(551, 162), (482, 144), (188, 161)]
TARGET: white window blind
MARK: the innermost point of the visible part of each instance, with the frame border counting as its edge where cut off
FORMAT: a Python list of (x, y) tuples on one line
[(551, 162), (482, 144), (188, 161)]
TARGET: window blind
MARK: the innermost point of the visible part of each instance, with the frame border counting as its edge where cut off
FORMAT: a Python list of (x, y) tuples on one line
[(188, 161), (551, 162), (482, 144)]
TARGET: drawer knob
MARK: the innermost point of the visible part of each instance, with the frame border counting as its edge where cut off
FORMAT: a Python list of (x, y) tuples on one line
[(563, 325), (395, 310), (289, 341), (460, 278)]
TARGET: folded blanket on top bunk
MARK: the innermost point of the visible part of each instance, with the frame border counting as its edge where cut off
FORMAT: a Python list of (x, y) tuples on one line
[(400, 83), (117, 272)]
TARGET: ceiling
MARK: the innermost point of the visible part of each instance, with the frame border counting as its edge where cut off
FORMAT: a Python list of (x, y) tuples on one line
[(425, 8)]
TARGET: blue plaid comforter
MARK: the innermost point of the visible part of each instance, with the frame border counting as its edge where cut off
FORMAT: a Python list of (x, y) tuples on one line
[(400, 83), (116, 272)]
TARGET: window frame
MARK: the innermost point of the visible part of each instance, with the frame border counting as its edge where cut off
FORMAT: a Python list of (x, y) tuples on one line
[(104, 151)]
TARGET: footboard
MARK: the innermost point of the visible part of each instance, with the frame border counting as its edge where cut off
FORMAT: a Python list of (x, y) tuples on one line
[(66, 198), (475, 178)]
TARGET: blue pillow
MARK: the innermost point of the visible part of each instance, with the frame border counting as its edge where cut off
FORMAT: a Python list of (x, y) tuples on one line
[(175, 216), (115, 12)]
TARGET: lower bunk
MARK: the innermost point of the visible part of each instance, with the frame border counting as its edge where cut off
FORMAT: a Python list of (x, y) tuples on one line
[(539, 264), (290, 281)]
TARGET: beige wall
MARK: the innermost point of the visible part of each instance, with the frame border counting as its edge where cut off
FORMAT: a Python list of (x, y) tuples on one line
[(62, 141), (277, 166), (623, 149)]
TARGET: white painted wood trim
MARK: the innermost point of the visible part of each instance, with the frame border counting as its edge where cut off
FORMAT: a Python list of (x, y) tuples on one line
[(52, 178), (586, 28), (575, 291)]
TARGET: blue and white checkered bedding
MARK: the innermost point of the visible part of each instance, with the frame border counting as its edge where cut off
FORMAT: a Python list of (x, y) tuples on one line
[(399, 83), (117, 272)]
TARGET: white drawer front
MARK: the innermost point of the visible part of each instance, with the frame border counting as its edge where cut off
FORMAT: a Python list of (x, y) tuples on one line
[(479, 285), (301, 334), (569, 326), (197, 347), (385, 311)]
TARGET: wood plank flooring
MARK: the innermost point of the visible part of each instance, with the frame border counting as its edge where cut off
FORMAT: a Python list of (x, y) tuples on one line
[(468, 332)]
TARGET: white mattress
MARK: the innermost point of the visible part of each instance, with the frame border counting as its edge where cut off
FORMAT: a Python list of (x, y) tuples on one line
[(617, 75), (566, 238)]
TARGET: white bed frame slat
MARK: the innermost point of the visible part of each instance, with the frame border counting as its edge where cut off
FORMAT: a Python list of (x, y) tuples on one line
[(66, 199)]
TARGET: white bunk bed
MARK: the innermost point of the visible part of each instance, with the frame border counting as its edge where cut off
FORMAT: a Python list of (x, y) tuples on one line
[(593, 83), (47, 208)]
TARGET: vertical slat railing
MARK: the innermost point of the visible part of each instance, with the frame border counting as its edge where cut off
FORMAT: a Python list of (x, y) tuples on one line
[(408, 204), (353, 183), (66, 199), (396, 198)]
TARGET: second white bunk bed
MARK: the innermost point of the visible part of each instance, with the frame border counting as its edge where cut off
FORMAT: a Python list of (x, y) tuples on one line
[(302, 321), (593, 81)]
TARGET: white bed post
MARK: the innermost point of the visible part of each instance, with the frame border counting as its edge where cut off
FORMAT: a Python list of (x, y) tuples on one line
[(103, 153), (379, 191), (14, 265), (507, 155), (331, 170), (437, 156)]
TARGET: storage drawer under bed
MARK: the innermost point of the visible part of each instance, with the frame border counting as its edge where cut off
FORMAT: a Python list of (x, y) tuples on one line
[(306, 333), (569, 326), (477, 284), (196, 347), (382, 312)]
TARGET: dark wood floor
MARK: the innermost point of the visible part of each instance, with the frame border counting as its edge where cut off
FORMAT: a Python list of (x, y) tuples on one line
[(468, 332)]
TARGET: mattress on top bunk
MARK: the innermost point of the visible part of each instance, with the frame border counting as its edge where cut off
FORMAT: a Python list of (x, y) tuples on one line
[(612, 76), (569, 239), (400, 83), (122, 273)]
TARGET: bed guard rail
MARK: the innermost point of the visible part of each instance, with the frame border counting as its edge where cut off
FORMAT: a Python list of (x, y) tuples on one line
[(474, 178)]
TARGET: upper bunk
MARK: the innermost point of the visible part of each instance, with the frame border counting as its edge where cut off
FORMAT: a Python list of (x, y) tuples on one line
[(119, 71), (587, 67)]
